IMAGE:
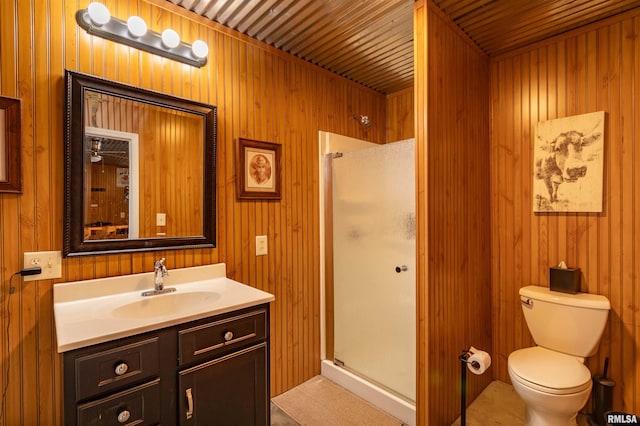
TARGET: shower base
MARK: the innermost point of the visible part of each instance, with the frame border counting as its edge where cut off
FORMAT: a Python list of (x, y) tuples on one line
[(371, 393)]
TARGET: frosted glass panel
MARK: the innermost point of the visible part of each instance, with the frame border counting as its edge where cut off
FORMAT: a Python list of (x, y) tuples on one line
[(373, 233)]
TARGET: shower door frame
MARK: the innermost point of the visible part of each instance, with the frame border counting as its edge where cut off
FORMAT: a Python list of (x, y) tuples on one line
[(328, 261), (329, 284)]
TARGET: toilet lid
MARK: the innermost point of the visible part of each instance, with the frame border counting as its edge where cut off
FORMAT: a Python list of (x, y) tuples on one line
[(556, 372)]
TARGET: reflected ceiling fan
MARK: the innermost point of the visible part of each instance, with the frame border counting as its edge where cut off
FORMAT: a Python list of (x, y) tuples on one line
[(102, 146)]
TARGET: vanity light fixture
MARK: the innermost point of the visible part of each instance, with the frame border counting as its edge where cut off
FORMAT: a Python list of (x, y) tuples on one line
[(97, 20), (200, 49), (170, 38), (136, 26)]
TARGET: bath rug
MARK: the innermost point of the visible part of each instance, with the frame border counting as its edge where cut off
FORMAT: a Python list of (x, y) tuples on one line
[(320, 402)]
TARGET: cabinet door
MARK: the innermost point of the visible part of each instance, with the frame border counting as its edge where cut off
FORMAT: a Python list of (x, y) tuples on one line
[(230, 391)]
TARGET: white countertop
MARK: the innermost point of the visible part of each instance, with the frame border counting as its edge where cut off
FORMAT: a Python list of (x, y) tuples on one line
[(86, 312)]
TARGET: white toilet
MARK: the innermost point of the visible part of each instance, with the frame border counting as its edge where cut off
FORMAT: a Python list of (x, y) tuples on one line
[(551, 378)]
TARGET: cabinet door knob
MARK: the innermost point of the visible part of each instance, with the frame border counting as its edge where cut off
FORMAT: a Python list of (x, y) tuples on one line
[(121, 369), (228, 336), (123, 416)]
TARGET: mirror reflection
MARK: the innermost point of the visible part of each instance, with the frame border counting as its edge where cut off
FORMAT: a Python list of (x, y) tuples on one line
[(109, 206), (133, 147), (144, 164)]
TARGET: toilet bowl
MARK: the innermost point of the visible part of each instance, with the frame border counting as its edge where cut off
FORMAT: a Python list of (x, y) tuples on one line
[(551, 378), (554, 386)]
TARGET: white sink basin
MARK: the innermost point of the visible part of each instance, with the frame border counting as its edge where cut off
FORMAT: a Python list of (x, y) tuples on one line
[(95, 311), (165, 304)]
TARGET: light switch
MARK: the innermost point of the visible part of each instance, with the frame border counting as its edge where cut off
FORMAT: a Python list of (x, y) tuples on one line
[(261, 245), (161, 219)]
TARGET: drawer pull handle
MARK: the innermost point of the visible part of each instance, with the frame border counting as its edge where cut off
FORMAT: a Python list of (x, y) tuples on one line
[(121, 369), (228, 336), (189, 403), (240, 339), (124, 416), (221, 345)]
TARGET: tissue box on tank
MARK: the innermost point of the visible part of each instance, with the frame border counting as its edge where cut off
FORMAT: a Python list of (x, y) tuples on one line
[(565, 280)]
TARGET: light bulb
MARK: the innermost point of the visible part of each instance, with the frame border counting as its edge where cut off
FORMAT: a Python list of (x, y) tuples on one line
[(98, 13), (170, 38), (200, 49), (136, 25)]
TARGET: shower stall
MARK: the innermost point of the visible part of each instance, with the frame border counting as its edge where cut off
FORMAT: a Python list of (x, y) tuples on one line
[(370, 274)]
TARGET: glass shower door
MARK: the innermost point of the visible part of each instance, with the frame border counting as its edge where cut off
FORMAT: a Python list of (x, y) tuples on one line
[(373, 196)]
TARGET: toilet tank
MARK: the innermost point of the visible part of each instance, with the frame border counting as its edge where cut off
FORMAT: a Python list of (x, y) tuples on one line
[(569, 323)]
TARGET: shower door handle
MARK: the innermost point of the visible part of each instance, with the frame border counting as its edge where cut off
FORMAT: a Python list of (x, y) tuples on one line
[(401, 268)]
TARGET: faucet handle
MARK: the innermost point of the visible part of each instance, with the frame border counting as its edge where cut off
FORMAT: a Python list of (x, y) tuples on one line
[(160, 267)]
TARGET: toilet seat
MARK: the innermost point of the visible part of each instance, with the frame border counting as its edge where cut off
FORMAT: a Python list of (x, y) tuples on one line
[(549, 371)]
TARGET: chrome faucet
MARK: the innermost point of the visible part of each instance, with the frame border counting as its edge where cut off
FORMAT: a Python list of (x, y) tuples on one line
[(160, 271)]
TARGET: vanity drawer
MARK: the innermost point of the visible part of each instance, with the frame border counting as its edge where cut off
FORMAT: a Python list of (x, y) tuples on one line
[(136, 406), (213, 338), (107, 370)]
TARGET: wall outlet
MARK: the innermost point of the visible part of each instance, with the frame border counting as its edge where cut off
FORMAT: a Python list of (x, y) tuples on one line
[(261, 245), (49, 261), (161, 219)]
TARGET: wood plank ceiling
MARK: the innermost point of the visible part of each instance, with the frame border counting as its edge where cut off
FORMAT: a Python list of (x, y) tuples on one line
[(371, 41)]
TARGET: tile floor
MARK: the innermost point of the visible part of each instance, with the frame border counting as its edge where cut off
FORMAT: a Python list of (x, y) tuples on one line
[(498, 404), (280, 418)]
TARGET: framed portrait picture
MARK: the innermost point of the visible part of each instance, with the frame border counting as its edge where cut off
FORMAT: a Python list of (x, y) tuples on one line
[(258, 170), (10, 168)]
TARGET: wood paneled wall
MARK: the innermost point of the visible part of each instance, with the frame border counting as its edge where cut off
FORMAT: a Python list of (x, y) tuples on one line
[(453, 214), (594, 69), (261, 93), (400, 123), (171, 169)]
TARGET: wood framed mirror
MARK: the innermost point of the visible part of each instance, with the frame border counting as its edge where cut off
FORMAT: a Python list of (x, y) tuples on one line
[(140, 169)]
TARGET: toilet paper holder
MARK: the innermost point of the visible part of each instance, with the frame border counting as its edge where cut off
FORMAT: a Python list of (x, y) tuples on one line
[(464, 358), (464, 355), (477, 361)]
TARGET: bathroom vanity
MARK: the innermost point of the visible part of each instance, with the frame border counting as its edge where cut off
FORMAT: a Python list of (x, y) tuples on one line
[(199, 358)]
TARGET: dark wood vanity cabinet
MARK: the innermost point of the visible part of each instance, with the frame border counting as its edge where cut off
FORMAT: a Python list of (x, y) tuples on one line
[(207, 372)]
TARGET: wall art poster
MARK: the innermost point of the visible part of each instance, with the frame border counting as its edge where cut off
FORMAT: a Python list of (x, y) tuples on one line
[(122, 177), (568, 168)]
